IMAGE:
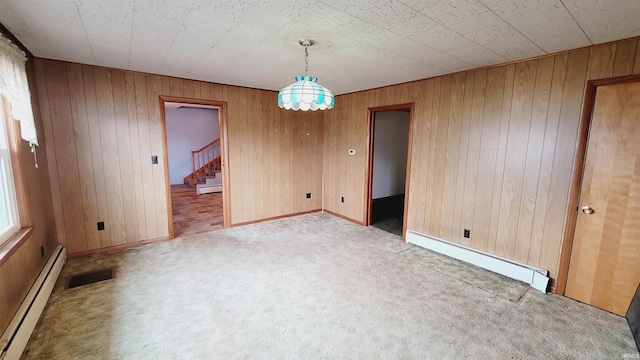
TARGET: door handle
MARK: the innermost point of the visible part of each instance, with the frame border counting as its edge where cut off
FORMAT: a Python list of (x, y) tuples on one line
[(587, 210)]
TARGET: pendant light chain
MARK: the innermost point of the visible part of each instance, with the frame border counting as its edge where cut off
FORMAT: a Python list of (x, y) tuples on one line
[(306, 59)]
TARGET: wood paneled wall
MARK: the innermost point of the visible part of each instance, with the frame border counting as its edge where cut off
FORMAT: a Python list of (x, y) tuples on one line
[(20, 270), (103, 126), (492, 150)]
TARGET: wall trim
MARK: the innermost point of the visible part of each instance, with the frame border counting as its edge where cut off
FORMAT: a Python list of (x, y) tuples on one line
[(344, 217), (14, 243), (224, 151), (537, 278), (118, 247), (276, 217), (369, 164)]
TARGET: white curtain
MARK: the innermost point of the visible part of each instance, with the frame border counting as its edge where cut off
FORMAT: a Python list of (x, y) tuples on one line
[(15, 87)]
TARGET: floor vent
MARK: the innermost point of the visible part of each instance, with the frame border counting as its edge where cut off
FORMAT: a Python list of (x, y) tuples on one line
[(90, 278)]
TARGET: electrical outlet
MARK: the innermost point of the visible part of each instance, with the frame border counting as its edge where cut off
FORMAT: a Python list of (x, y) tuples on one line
[(100, 225), (308, 195), (342, 199), (467, 233)]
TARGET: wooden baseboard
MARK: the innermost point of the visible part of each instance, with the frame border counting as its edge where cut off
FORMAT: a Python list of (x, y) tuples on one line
[(166, 238), (275, 217), (344, 217), (117, 247)]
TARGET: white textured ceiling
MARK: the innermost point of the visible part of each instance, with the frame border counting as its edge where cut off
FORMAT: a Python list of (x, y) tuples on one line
[(360, 44)]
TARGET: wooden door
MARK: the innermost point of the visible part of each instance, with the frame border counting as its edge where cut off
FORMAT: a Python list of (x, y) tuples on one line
[(604, 270)]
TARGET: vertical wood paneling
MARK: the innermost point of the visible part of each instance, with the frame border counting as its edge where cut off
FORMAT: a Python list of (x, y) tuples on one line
[(187, 91), (533, 158), (451, 155), (601, 60), (136, 166), (564, 152), (154, 90), (519, 123), (422, 164), (430, 164), (64, 142), (343, 162), (498, 179), (636, 63), (110, 157), (176, 86), (524, 241), (487, 157), (45, 113), (465, 123), (268, 163), (254, 130), (96, 153), (492, 151), (441, 153), (284, 143), (451, 158), (144, 148), (85, 161), (125, 155), (625, 51), (473, 153), (416, 152), (539, 241), (105, 125)]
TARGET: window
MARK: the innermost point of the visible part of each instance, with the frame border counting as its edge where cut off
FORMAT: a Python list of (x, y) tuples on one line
[(9, 222)]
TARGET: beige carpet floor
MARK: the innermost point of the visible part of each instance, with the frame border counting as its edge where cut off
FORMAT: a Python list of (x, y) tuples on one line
[(311, 287)]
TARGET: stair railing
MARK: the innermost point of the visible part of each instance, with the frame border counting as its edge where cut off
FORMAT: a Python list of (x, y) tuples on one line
[(204, 162)]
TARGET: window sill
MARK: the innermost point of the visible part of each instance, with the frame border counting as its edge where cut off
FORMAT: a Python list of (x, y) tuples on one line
[(14, 243)]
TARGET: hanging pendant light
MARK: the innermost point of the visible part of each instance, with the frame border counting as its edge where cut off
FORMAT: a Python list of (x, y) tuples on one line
[(305, 94)]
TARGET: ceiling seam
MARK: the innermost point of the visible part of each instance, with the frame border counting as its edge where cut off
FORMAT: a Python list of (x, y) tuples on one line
[(235, 26), (133, 19), (513, 27), (456, 32), (403, 36), (182, 27), (576, 21), (84, 29)]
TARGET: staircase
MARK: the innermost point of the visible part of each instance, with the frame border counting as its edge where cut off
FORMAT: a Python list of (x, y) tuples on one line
[(206, 165)]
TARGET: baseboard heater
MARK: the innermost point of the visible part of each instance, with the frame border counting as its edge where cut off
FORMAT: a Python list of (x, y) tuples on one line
[(15, 338), (537, 278), (207, 189)]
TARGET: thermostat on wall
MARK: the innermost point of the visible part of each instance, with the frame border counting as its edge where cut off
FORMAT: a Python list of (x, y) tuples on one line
[(352, 151)]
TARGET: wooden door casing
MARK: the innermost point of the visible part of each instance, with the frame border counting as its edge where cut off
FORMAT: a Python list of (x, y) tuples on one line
[(605, 260)]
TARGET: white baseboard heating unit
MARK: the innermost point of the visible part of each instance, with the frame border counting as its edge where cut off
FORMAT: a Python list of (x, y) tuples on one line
[(15, 338), (537, 278)]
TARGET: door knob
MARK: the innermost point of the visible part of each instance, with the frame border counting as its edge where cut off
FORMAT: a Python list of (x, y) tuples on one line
[(587, 210)]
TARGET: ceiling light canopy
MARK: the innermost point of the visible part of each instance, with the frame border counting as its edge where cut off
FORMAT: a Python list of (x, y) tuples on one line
[(305, 94)]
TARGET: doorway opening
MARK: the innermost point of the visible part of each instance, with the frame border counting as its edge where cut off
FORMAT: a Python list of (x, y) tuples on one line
[(195, 165), (389, 134)]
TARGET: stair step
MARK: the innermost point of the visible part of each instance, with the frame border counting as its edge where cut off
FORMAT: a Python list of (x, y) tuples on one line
[(213, 180)]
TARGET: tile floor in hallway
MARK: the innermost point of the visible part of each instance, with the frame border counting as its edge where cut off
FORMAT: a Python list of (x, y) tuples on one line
[(194, 214)]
